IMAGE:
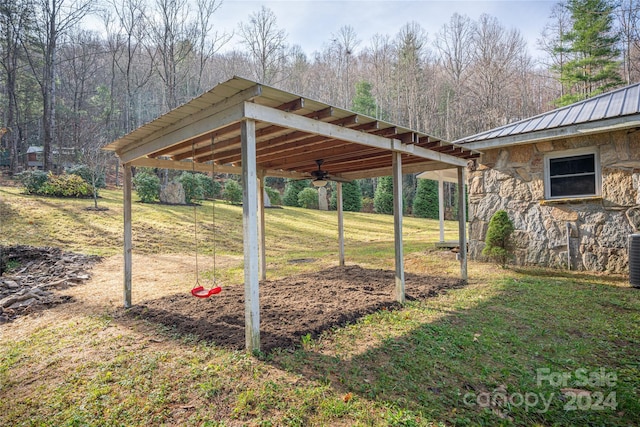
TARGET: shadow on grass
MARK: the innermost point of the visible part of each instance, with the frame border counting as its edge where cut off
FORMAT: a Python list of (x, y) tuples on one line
[(475, 364)]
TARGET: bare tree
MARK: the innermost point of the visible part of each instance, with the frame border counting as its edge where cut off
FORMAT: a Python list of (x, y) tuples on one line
[(454, 43), (628, 14), (266, 45), (553, 41), (174, 40), (209, 41), (344, 44), (15, 18), (54, 19)]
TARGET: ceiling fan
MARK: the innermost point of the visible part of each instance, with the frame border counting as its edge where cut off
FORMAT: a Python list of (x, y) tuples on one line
[(320, 177)]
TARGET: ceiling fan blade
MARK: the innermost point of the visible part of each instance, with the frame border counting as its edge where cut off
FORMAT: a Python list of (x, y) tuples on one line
[(338, 179)]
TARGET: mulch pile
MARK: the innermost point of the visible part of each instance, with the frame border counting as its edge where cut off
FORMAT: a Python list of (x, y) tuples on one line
[(290, 308), (30, 275)]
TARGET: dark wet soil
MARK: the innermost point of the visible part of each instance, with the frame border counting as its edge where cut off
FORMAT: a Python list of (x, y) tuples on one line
[(290, 308)]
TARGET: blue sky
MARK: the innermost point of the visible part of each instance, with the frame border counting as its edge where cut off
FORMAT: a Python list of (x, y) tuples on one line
[(310, 24)]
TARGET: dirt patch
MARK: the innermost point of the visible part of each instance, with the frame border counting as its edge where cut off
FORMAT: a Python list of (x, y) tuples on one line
[(290, 308), (31, 277)]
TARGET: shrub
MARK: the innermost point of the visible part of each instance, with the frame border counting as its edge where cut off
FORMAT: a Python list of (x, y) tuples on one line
[(351, 197), (291, 190), (367, 205), (232, 192), (498, 240), (86, 173), (383, 199), (308, 198), (66, 185), (192, 187), (147, 185), (210, 187), (33, 181), (274, 196), (425, 202)]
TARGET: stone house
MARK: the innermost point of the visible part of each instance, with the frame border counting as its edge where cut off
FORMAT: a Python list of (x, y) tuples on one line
[(569, 180)]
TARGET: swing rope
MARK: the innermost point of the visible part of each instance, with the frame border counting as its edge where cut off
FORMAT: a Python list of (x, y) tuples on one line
[(198, 290)]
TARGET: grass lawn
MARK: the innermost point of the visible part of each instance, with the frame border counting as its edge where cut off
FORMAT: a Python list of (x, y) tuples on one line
[(499, 351)]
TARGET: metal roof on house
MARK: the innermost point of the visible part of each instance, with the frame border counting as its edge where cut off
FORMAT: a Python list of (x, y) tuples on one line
[(618, 109), (293, 133)]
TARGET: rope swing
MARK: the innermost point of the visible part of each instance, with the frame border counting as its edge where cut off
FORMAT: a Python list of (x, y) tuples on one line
[(198, 290)]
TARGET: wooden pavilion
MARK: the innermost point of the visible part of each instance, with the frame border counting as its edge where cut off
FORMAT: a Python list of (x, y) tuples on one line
[(246, 128)]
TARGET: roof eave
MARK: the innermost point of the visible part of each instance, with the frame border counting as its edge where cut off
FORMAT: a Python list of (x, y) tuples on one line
[(600, 126)]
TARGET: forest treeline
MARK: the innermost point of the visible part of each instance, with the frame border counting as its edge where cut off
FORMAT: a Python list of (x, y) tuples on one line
[(64, 86)]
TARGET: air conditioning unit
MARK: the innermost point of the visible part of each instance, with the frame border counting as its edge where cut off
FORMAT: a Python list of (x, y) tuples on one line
[(634, 260)]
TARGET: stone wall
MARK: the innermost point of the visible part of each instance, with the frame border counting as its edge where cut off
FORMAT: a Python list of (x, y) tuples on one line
[(512, 179)]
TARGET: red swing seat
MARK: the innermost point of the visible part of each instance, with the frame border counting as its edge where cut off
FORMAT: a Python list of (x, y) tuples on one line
[(201, 292)]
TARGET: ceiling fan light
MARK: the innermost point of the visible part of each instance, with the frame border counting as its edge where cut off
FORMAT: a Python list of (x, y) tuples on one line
[(318, 182)]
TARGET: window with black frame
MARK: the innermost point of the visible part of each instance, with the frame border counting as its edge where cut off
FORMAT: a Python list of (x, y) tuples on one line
[(572, 175)]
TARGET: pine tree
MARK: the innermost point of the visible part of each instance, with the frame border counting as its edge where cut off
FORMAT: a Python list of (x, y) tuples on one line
[(292, 188), (592, 43), (383, 199), (351, 197), (498, 241), (364, 102), (425, 202)]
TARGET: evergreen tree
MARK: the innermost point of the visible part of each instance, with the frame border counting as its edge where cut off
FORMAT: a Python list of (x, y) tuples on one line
[(383, 199), (498, 242), (592, 43), (351, 197), (364, 102), (292, 188), (425, 202)]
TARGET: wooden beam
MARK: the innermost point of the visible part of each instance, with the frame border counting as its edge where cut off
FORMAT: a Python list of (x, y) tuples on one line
[(397, 226), (441, 208), (261, 227), (340, 224), (127, 235), (234, 127), (293, 121), (185, 166), (388, 170), (167, 138), (462, 225), (250, 231)]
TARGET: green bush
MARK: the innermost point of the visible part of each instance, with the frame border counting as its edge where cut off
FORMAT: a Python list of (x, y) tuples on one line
[(192, 187), (66, 185), (274, 196), (425, 202), (351, 197), (86, 173), (147, 185), (232, 192), (308, 198), (33, 181), (383, 199), (210, 187), (291, 190), (498, 240), (367, 205)]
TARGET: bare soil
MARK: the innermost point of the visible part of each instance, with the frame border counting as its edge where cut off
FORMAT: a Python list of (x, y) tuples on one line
[(290, 308)]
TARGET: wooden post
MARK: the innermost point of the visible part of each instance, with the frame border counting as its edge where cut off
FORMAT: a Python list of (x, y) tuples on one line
[(340, 223), (127, 236), (441, 207), (462, 224), (250, 229), (261, 228), (397, 225)]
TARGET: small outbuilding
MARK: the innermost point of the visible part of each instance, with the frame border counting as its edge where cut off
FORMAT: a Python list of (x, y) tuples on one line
[(569, 180)]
